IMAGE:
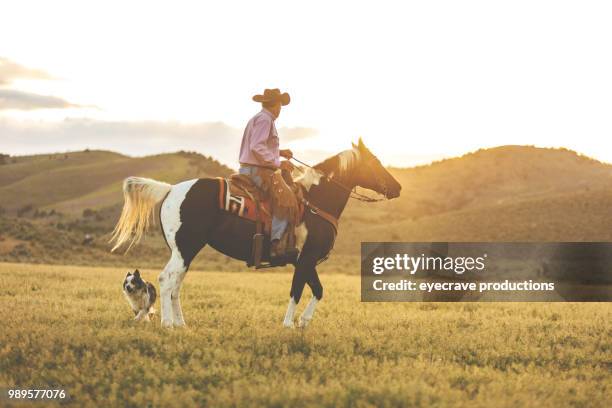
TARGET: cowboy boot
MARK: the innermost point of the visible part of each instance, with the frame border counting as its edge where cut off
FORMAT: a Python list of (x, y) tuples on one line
[(277, 252), (283, 251), (291, 251)]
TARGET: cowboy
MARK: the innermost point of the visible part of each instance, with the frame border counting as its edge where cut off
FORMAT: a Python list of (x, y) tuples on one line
[(260, 156)]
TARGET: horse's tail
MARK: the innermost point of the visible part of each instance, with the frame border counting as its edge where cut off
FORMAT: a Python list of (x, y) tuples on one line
[(140, 196)]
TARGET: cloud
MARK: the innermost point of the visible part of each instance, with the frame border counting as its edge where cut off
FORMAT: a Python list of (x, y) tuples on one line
[(297, 133), (20, 100), (10, 71), (136, 138)]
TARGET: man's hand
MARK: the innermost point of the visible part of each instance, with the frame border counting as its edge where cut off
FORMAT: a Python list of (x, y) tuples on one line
[(286, 153), (287, 165)]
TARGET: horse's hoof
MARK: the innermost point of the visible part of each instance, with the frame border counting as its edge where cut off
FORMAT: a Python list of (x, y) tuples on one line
[(167, 324), (288, 325), (303, 323)]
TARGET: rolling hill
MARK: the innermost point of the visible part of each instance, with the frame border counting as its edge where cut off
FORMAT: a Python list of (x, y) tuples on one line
[(72, 182), (508, 193), (498, 176)]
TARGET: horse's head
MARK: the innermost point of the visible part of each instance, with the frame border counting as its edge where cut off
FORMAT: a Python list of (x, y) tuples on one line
[(371, 174)]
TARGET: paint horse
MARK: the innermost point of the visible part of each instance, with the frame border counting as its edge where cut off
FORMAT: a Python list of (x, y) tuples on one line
[(190, 218)]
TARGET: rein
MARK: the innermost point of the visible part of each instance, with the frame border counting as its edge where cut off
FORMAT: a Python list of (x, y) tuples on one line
[(352, 192)]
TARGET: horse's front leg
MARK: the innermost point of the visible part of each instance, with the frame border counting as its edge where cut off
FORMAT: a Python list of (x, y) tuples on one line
[(317, 294), (288, 321), (300, 276)]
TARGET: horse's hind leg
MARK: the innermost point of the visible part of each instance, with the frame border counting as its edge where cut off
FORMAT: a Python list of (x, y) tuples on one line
[(189, 242), (185, 228), (177, 311), (172, 274)]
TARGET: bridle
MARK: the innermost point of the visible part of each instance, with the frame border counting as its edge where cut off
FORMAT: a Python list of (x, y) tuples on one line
[(353, 193)]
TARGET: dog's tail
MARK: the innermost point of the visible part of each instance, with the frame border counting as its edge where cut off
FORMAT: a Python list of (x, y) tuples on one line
[(140, 196)]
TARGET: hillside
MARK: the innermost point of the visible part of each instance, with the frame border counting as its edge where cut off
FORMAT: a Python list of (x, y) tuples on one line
[(509, 193), (72, 182), (494, 177)]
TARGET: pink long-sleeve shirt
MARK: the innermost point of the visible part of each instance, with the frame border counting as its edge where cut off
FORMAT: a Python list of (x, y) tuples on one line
[(260, 146)]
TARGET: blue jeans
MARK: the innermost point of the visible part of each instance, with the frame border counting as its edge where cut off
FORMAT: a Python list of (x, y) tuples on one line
[(278, 224)]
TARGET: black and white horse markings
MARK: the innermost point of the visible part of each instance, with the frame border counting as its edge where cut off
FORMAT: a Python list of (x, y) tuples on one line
[(190, 219)]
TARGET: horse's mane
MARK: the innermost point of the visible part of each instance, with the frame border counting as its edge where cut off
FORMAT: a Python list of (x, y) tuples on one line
[(339, 165)]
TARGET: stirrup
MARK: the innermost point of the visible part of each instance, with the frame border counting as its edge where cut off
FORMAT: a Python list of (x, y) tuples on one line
[(290, 256)]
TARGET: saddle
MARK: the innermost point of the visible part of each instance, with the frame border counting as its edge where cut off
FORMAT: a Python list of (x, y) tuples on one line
[(240, 196)]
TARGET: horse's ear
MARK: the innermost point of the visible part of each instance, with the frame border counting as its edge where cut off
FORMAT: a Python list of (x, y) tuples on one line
[(354, 145), (136, 272), (361, 146)]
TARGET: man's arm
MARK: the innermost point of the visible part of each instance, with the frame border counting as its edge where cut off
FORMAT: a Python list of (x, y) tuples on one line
[(259, 139)]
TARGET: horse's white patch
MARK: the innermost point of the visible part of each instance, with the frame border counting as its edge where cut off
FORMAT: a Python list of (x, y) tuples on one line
[(301, 233), (170, 214), (171, 277), (169, 284), (288, 321), (308, 312), (310, 177), (347, 159)]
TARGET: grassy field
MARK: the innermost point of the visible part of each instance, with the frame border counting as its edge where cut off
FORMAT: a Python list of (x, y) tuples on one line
[(71, 327)]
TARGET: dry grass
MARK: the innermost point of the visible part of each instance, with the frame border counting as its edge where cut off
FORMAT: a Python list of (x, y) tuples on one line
[(70, 327)]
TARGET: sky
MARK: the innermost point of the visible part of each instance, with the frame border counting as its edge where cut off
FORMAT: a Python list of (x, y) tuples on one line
[(419, 81)]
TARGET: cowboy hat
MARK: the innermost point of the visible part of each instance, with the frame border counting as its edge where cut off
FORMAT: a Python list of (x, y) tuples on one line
[(273, 96)]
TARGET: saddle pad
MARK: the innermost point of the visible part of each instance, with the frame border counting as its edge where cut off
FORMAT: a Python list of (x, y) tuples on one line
[(243, 206)]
